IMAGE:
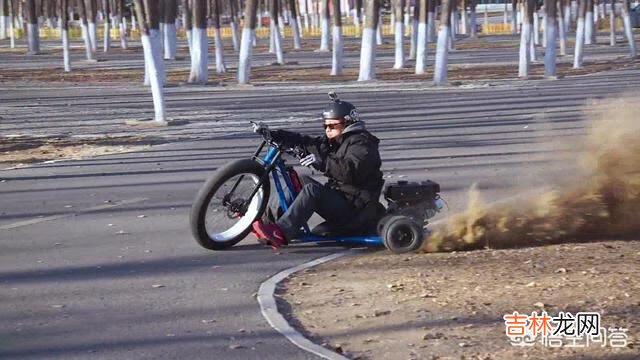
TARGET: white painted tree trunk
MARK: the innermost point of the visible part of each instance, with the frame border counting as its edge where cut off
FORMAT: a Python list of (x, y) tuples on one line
[(399, 39), (367, 55), (532, 50), (299, 25), (505, 15), (199, 59), (612, 27), (464, 21), (578, 52), (170, 41), (4, 22), (536, 28), (629, 33), (65, 51), (567, 19), (588, 28), (246, 49), (220, 67), (442, 52), (379, 30), (234, 35), (123, 33), (33, 38), (295, 27), (87, 42), (525, 50), (324, 35), (336, 59), (106, 43), (392, 21), (277, 42), (12, 36), (421, 48), (414, 39), (272, 38), (562, 36), (431, 27), (574, 11), (92, 36), (155, 72), (550, 52), (473, 22), (544, 30), (155, 37), (134, 24)]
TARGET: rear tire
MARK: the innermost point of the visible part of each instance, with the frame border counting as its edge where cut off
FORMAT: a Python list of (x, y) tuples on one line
[(218, 237), (401, 234)]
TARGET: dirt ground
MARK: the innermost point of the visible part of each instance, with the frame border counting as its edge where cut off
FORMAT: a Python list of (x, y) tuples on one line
[(23, 150), (451, 305)]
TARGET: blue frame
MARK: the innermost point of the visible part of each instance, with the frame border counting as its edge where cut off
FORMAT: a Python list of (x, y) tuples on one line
[(278, 172)]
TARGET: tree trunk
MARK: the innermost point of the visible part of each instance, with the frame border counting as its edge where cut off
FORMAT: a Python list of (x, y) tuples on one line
[(4, 18), (12, 37), (148, 20), (233, 23), (295, 25), (399, 33), (64, 27), (220, 67), (536, 27), (431, 21), (612, 24), (169, 32), (32, 28), (336, 61), (91, 19), (551, 29), (85, 30), (627, 28), (442, 49), (357, 20), (414, 31), (122, 23), (453, 22), (246, 44), (275, 31), (106, 6), (199, 43), (324, 26), (473, 21), (514, 17), (187, 22), (562, 35), (421, 46), (368, 45), (526, 38), (588, 24), (580, 34)]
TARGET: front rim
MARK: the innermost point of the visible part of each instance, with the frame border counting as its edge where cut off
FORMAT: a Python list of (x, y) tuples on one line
[(222, 219)]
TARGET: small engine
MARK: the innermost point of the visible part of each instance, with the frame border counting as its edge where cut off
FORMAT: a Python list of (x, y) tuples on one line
[(420, 201)]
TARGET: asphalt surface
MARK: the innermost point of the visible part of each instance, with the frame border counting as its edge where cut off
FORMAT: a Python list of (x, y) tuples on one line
[(97, 259)]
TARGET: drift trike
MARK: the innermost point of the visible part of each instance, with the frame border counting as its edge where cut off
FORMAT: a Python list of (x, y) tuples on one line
[(238, 193)]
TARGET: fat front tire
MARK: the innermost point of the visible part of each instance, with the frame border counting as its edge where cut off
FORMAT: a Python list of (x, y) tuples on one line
[(401, 234), (216, 236)]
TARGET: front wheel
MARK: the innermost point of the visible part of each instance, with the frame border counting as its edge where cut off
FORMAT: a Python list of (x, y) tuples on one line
[(401, 234), (217, 218)]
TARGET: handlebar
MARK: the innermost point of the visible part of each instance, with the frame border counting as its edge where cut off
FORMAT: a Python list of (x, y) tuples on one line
[(296, 151)]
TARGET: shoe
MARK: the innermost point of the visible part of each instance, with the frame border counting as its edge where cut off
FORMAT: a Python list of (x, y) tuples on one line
[(269, 234)]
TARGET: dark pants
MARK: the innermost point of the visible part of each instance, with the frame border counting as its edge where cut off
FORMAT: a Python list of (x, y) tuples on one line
[(330, 204)]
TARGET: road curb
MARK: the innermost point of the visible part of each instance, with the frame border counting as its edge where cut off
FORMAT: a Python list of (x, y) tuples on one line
[(279, 323)]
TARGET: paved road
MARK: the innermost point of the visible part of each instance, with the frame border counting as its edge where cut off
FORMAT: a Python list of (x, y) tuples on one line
[(84, 242)]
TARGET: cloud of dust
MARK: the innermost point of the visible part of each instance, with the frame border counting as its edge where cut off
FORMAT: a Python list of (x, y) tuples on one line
[(603, 204)]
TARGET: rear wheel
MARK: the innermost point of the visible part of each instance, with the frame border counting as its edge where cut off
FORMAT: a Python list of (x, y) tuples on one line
[(217, 218), (401, 234)]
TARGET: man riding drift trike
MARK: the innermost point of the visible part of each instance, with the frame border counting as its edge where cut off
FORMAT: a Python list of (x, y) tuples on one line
[(233, 201)]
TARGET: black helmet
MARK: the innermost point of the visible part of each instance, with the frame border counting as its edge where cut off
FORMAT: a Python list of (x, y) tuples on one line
[(338, 109)]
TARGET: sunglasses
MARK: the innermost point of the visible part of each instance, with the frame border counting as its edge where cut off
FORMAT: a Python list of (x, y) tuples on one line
[(332, 126)]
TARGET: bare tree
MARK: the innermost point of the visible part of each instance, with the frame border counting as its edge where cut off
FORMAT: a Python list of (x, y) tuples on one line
[(398, 7), (473, 20), (295, 24), (4, 18), (336, 61), (12, 36), (368, 46), (526, 37), (588, 24), (233, 22), (612, 24), (64, 26), (562, 35), (357, 19), (580, 34), (187, 22), (32, 27), (442, 49), (199, 43), (414, 31), (220, 67), (169, 13), (551, 30), (324, 26), (91, 7), (106, 7), (122, 23), (514, 17), (421, 52), (85, 30), (275, 30), (627, 28), (431, 21), (246, 44), (148, 20)]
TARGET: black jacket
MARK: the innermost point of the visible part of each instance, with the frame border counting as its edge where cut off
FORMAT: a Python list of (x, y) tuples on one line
[(351, 161)]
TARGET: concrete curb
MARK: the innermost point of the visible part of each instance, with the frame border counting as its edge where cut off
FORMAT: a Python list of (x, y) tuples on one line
[(277, 321)]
